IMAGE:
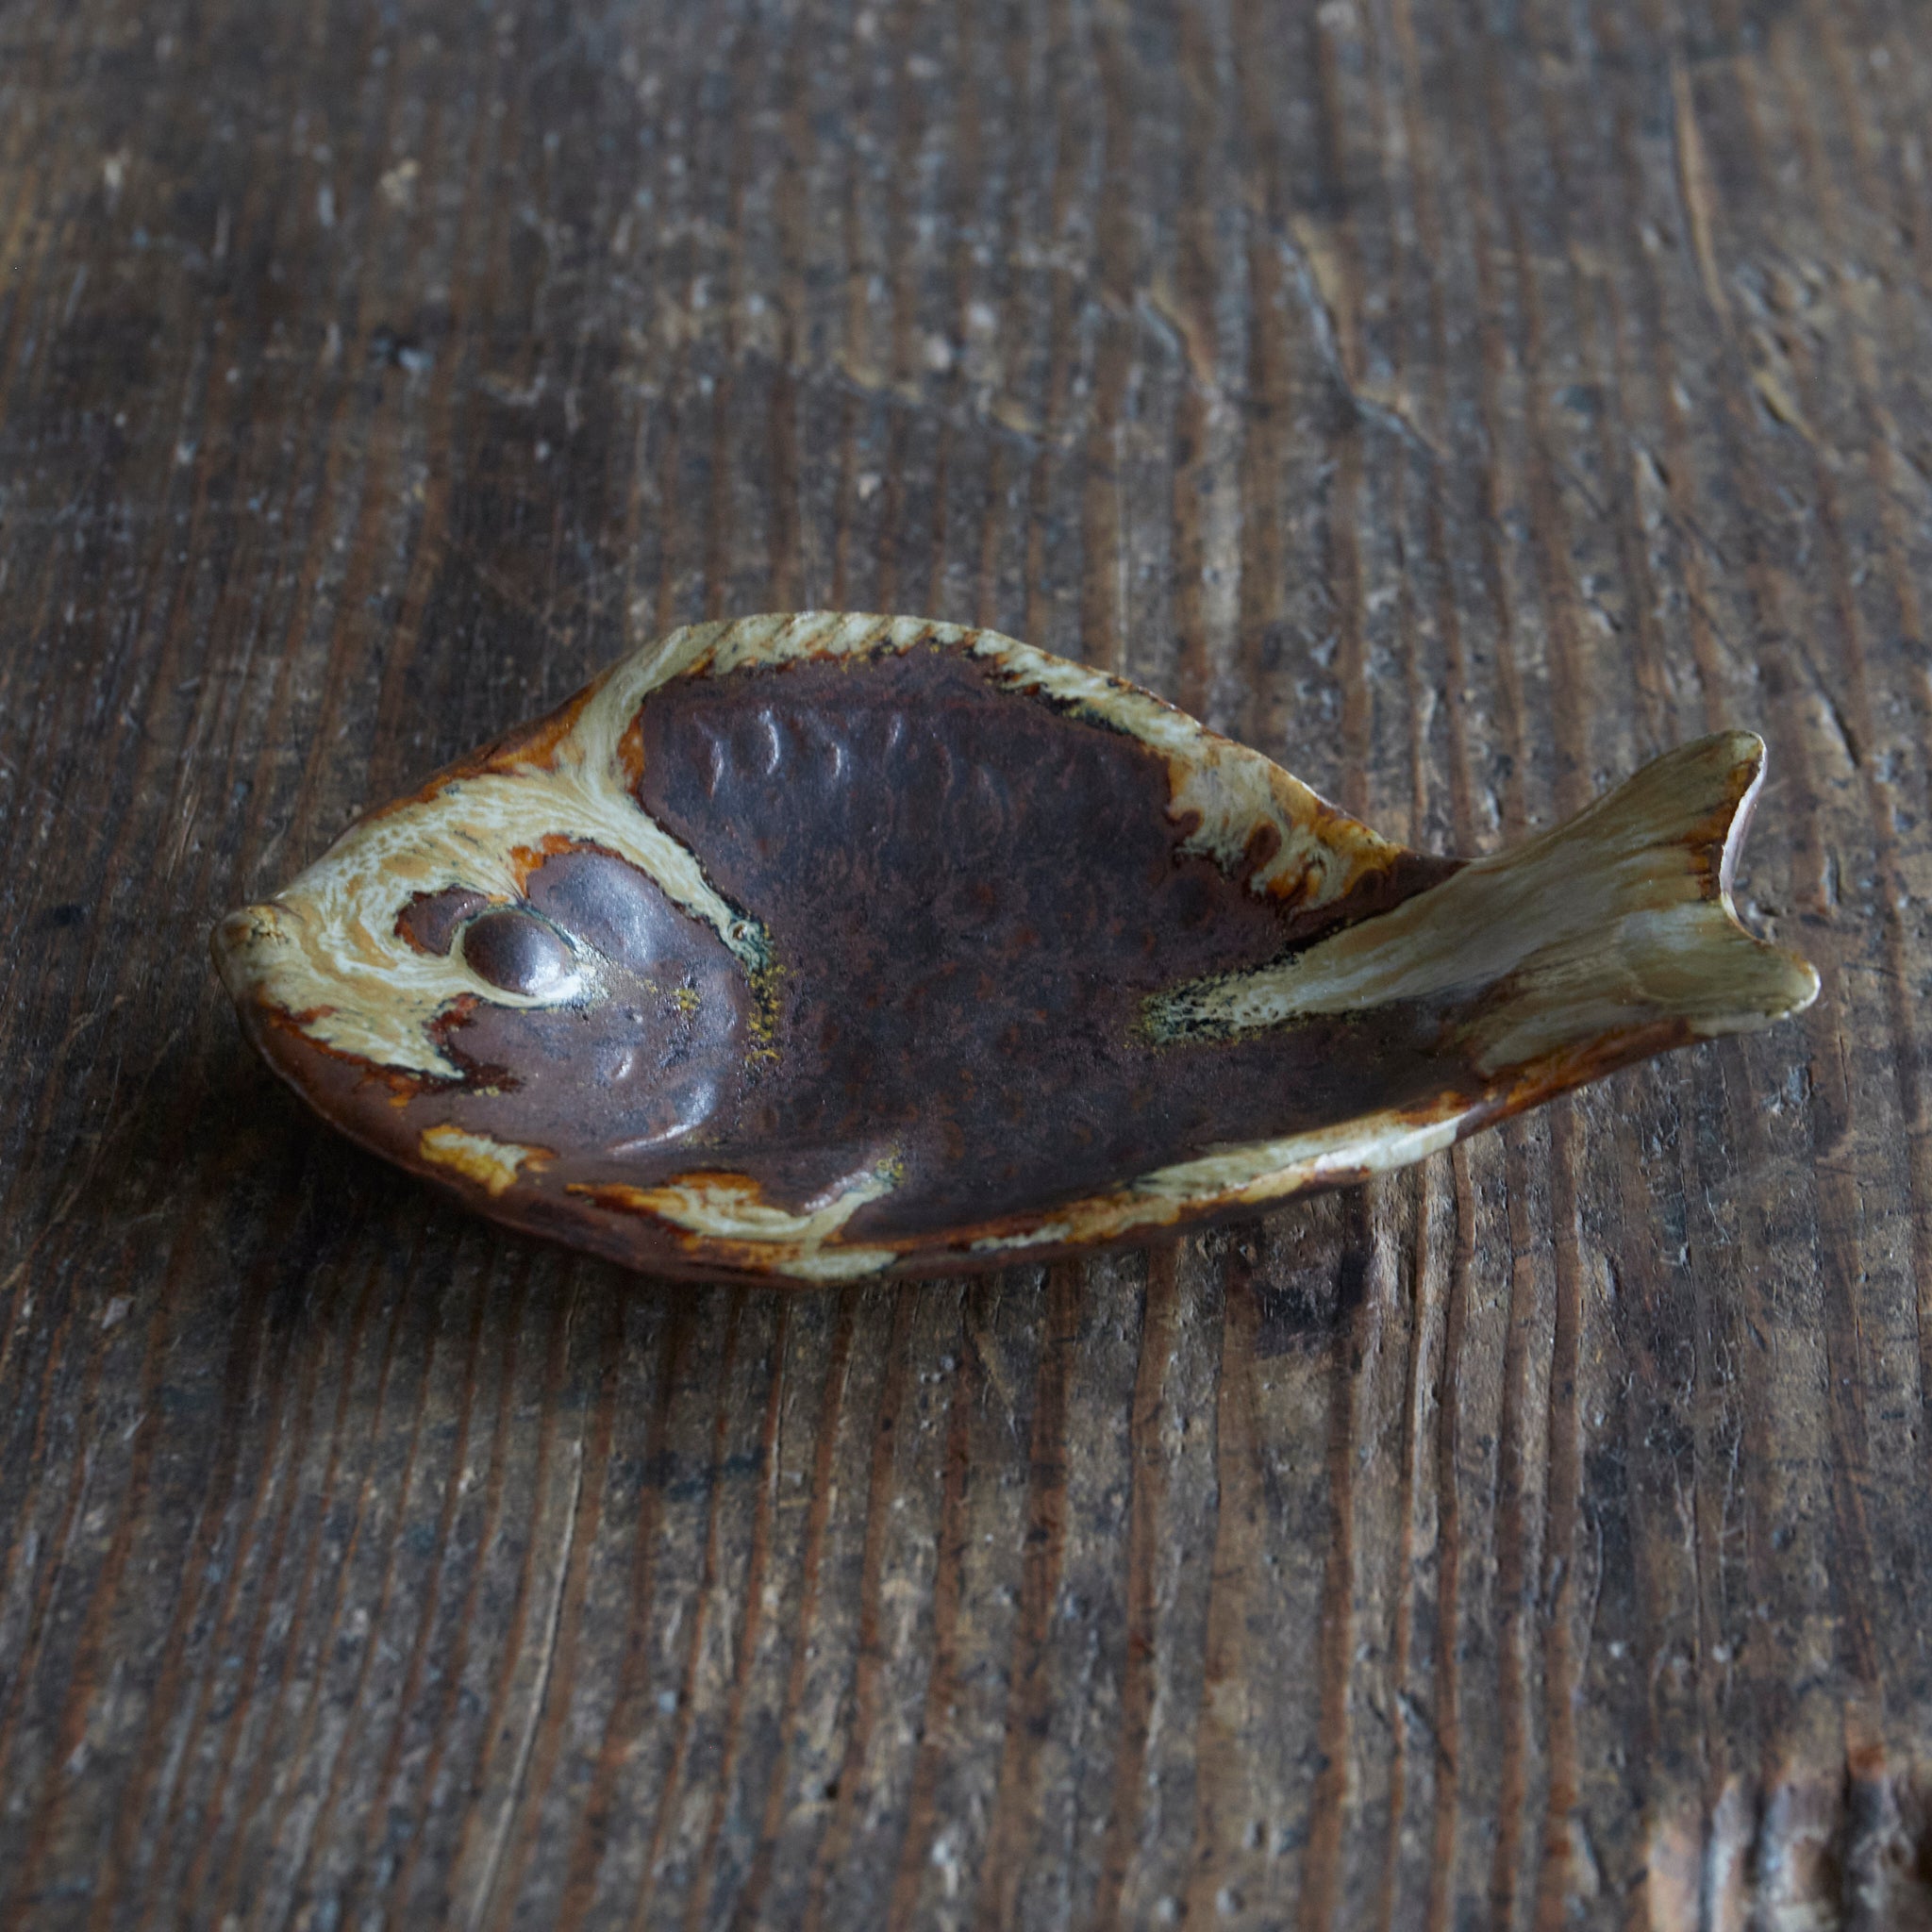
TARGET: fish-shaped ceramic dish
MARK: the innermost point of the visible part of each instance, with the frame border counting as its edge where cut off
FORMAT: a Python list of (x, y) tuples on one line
[(812, 948)]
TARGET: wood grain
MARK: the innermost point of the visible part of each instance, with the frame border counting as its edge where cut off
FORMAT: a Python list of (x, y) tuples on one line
[(1460, 403)]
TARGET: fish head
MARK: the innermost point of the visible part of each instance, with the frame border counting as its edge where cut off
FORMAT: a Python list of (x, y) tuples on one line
[(514, 954)]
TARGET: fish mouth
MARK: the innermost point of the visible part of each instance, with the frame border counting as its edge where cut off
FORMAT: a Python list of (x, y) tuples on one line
[(245, 943)]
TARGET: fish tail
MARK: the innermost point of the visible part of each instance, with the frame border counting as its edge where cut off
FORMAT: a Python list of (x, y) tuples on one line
[(1618, 922)]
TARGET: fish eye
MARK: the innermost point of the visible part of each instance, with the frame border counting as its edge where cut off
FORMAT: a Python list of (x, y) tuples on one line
[(516, 951)]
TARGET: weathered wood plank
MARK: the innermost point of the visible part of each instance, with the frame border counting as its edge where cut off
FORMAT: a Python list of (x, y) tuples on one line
[(1461, 404)]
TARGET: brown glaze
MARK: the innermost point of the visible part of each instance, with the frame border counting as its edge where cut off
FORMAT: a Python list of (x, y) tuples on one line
[(430, 919), (970, 897), (949, 901)]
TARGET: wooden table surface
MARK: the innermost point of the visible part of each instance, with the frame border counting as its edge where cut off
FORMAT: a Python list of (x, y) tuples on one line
[(1462, 402)]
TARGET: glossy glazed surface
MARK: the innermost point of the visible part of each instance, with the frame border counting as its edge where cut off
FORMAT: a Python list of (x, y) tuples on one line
[(817, 948)]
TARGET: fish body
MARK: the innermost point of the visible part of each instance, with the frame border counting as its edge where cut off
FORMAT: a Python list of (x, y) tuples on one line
[(815, 948)]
